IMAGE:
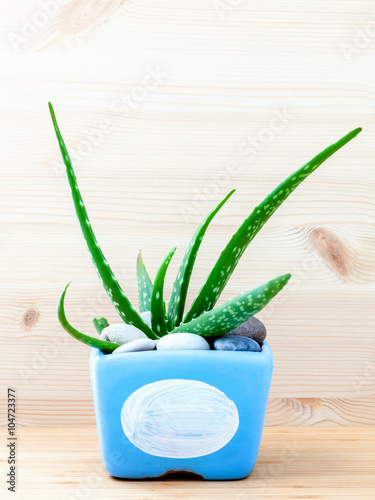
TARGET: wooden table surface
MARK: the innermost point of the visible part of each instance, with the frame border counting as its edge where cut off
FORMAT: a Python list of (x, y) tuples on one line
[(65, 463)]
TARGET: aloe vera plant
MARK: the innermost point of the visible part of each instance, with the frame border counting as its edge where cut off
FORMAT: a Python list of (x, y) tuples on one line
[(201, 318)]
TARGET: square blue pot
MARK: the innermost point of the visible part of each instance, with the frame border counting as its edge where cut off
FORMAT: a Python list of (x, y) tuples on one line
[(188, 411)]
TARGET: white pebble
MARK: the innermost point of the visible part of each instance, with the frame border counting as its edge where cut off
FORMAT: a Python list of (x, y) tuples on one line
[(121, 333), (146, 316), (136, 345), (183, 341)]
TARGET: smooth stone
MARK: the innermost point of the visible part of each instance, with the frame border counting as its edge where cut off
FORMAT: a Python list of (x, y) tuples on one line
[(252, 328), (182, 341), (121, 333), (136, 345), (236, 343), (146, 316)]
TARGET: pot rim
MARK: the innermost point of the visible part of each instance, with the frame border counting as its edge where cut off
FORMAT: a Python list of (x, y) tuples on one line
[(185, 353)]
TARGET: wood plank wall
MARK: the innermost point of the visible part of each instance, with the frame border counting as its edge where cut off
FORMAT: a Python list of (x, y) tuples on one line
[(166, 106)]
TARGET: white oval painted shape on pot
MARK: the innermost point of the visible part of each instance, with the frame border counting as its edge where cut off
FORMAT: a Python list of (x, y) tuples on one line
[(179, 418)]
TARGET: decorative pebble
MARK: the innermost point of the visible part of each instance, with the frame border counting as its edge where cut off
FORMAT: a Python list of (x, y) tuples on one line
[(121, 333), (136, 345), (146, 316), (252, 328), (236, 343), (182, 341)]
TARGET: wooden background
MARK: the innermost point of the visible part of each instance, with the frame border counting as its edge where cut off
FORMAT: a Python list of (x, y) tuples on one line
[(167, 105)]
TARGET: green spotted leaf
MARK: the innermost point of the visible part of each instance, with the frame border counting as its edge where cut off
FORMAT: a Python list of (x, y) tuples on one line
[(233, 313), (230, 256), (158, 315), (103, 345), (108, 279), (144, 285), (181, 284)]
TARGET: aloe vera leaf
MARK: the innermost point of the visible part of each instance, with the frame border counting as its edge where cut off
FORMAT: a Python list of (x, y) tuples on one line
[(103, 322), (233, 313), (103, 345), (100, 324), (144, 285), (158, 316), (110, 283), (177, 301), (229, 257)]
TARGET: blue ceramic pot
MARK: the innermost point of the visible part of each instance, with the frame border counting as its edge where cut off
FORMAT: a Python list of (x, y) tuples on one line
[(188, 411)]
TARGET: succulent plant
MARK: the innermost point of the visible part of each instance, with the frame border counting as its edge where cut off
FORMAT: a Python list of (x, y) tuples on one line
[(201, 318)]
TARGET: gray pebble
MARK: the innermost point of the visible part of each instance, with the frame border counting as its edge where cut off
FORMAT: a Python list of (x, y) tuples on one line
[(121, 333), (236, 343), (252, 328)]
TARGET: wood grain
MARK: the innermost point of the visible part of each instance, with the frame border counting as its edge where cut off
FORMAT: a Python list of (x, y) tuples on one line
[(281, 412), (293, 463), (165, 107)]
